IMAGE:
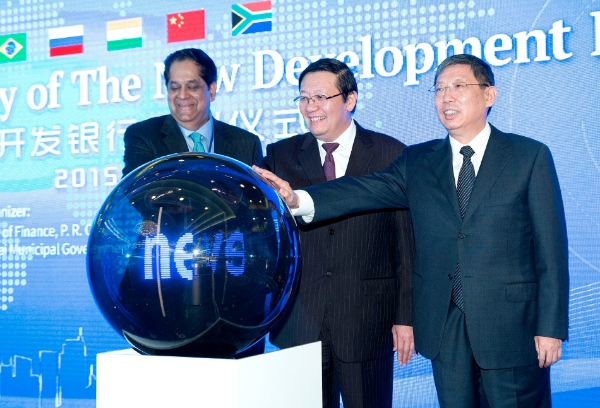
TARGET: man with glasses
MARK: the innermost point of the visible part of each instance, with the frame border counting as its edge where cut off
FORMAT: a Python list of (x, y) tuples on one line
[(491, 280), (355, 292)]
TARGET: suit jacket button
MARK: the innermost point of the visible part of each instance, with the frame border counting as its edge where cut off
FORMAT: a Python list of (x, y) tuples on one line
[(329, 274), (449, 276), (331, 231), (461, 235)]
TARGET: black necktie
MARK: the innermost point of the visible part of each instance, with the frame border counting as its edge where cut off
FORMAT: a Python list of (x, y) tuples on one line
[(329, 164), (466, 178)]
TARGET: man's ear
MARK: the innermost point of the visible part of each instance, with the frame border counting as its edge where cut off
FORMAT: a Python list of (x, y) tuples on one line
[(213, 91), (351, 101), (490, 95)]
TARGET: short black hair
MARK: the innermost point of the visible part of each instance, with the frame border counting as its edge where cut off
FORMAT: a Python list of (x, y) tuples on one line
[(345, 81), (206, 66), (481, 69)]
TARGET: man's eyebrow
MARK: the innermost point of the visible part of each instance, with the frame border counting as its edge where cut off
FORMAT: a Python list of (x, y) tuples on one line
[(184, 82)]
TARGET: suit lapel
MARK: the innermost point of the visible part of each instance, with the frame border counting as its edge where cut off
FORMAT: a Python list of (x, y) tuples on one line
[(172, 136), (495, 158), (362, 153), (440, 160), (310, 159), (223, 143)]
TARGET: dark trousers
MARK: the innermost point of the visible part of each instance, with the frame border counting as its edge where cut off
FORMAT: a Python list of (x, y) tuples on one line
[(460, 382), (363, 384)]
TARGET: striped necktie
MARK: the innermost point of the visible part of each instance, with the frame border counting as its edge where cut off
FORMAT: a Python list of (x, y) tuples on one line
[(466, 179)]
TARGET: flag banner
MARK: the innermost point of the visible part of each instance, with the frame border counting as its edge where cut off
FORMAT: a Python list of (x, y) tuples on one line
[(249, 18), (124, 34), (13, 47), (186, 26), (66, 40)]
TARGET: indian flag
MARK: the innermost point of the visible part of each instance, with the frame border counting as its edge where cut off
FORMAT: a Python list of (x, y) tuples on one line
[(124, 34)]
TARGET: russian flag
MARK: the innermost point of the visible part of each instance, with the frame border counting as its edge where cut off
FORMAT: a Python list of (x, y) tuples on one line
[(66, 40)]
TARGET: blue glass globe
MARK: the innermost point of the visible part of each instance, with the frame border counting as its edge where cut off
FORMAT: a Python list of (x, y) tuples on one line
[(193, 254)]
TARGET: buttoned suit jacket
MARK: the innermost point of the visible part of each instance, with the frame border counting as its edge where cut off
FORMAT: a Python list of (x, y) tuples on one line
[(357, 268), (161, 136), (511, 243)]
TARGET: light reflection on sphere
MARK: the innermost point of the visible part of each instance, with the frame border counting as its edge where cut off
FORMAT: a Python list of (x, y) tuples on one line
[(193, 255)]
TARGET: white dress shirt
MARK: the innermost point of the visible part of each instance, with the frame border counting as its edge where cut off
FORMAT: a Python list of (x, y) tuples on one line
[(341, 157), (478, 144)]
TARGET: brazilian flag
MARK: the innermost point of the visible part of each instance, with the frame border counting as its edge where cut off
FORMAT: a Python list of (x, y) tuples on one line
[(13, 47)]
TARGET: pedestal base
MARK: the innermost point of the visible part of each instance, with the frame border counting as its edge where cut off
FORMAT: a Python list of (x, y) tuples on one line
[(287, 378)]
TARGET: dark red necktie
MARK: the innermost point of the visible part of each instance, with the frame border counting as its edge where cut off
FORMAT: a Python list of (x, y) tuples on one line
[(329, 164)]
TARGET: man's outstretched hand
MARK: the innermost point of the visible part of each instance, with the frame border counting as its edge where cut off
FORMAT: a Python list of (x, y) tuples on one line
[(282, 187)]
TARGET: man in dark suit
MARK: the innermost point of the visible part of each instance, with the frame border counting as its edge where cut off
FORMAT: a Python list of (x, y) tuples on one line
[(491, 280), (355, 290), (191, 79)]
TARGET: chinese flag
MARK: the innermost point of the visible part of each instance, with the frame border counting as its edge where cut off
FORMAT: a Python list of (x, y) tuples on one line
[(185, 26)]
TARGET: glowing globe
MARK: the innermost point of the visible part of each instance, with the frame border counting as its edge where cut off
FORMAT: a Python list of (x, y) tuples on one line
[(193, 254)]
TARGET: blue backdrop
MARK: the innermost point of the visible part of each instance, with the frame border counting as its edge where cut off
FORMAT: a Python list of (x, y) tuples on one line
[(74, 74)]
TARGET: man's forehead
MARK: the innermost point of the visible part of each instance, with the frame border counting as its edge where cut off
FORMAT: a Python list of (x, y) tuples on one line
[(322, 77), (316, 88), (458, 71)]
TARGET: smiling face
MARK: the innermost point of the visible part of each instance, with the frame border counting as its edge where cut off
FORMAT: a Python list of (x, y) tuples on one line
[(329, 121), (189, 96), (463, 113)]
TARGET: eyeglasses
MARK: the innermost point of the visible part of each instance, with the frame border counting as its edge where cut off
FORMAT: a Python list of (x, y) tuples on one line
[(456, 87), (318, 100)]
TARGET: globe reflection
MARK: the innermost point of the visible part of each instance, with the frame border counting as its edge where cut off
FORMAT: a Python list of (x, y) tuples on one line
[(193, 255)]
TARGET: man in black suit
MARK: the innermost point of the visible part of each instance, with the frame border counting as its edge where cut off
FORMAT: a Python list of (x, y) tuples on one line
[(191, 79), (491, 277), (355, 290)]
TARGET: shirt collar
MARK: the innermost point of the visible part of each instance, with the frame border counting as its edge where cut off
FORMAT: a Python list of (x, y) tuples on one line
[(346, 139), (478, 144), (205, 130)]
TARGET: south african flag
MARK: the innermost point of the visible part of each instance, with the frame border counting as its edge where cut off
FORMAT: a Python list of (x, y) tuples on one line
[(251, 18)]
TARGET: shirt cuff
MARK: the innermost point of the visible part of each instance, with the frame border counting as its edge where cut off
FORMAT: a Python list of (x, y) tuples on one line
[(306, 209)]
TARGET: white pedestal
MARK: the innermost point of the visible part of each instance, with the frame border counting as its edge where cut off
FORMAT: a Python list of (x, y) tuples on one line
[(287, 378)]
